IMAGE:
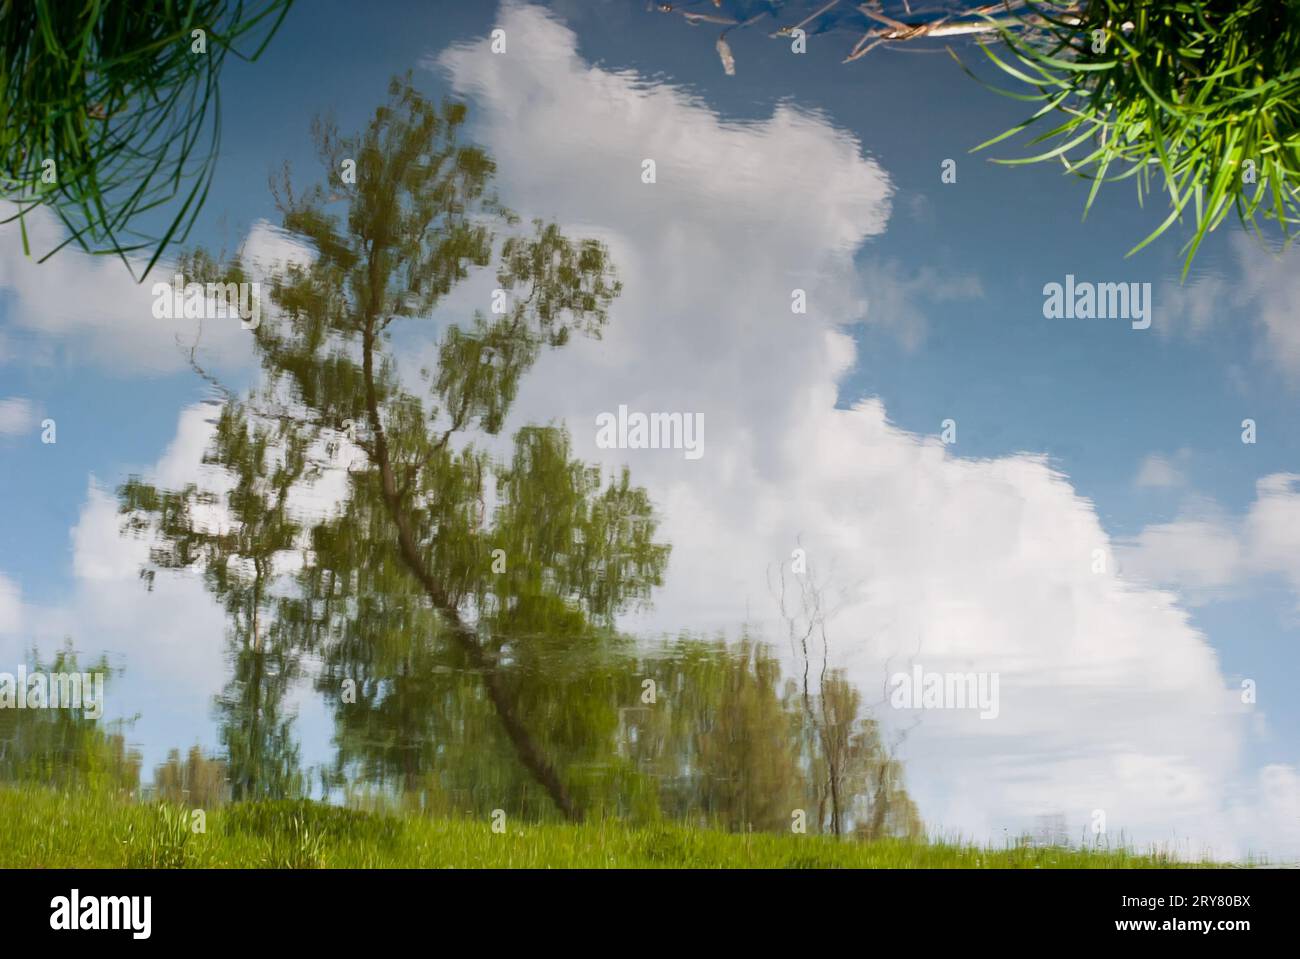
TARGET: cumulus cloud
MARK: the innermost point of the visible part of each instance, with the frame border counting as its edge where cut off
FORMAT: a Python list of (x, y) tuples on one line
[(1111, 699), (1265, 291), (171, 634), (17, 415), (1268, 817), (1159, 472), (87, 310), (900, 299), (1273, 281), (1210, 554)]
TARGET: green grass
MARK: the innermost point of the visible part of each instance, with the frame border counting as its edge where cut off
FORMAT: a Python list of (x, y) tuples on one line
[(44, 829), (114, 94), (1197, 97)]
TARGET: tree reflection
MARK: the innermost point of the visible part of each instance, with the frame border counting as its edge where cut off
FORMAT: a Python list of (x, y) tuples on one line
[(461, 605)]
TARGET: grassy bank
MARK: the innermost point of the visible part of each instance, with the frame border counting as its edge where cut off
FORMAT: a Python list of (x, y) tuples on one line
[(41, 828)]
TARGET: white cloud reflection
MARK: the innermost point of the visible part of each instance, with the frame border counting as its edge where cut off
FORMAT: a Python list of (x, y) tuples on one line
[(1111, 699)]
